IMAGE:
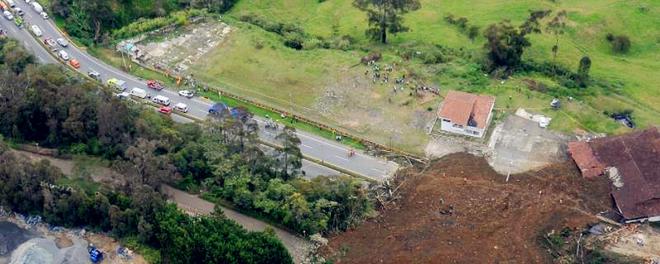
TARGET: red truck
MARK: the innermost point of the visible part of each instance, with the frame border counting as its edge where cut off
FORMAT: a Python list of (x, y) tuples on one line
[(153, 84)]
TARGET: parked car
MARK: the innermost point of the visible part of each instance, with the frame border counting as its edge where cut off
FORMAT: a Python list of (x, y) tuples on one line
[(44, 15), (161, 100), (63, 55), (8, 15), (94, 75), (36, 30), (186, 93), (62, 42), (156, 85), (181, 107), (11, 3), (165, 110), (19, 11), (74, 63)]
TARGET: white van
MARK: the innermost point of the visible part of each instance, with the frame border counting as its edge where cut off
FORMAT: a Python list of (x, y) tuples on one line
[(181, 107), (36, 30), (140, 93), (161, 100)]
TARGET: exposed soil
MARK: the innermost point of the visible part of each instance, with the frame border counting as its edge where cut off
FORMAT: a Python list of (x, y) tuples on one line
[(461, 211)]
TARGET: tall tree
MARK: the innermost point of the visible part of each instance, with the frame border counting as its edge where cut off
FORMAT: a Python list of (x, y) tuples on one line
[(385, 16), (583, 71), (505, 43), (556, 26), (290, 153)]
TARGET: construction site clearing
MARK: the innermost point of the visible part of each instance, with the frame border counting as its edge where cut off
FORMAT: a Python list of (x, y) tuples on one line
[(26, 239), (459, 210)]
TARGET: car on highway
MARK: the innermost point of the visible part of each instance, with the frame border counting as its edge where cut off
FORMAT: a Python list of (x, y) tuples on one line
[(186, 93), (139, 93), (62, 42), (123, 95), (74, 63), (50, 43), (94, 75), (119, 85), (156, 85), (218, 108), (165, 110), (8, 15), (19, 22), (161, 100), (44, 15), (63, 55), (181, 107), (36, 30)]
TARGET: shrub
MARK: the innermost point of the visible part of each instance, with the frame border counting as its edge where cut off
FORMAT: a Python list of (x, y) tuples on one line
[(621, 44)]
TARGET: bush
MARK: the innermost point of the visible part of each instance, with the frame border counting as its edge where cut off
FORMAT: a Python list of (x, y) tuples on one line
[(620, 44)]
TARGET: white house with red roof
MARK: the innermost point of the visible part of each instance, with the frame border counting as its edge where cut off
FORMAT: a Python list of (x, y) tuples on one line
[(465, 113)]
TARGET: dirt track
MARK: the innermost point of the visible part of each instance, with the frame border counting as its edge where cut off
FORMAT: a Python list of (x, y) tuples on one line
[(461, 211)]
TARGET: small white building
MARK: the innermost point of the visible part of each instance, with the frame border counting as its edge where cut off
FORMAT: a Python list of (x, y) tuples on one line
[(465, 113)]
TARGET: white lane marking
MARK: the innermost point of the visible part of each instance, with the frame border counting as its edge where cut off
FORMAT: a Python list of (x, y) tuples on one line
[(307, 146), (345, 159)]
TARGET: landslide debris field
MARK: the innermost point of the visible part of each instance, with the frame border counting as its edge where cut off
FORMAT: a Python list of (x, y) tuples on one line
[(461, 211)]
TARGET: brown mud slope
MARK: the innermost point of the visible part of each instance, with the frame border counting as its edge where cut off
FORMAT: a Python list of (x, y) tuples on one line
[(461, 211)]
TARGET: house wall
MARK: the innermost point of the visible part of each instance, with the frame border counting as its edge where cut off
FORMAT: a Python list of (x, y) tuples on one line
[(463, 130)]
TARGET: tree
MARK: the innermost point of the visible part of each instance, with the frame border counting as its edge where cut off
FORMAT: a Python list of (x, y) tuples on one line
[(290, 153), (556, 26), (385, 16), (149, 168), (583, 71), (505, 43)]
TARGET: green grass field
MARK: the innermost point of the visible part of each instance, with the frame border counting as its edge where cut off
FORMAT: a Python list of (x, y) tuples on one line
[(254, 63)]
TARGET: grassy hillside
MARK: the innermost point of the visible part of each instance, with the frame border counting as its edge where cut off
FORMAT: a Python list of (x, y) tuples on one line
[(255, 63)]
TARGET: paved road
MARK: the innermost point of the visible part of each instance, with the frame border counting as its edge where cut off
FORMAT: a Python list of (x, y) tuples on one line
[(330, 152)]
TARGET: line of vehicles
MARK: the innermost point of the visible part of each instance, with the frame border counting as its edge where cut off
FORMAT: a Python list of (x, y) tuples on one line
[(58, 46), (11, 12), (138, 93)]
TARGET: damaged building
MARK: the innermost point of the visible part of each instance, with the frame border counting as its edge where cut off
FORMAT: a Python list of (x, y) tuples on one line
[(632, 163)]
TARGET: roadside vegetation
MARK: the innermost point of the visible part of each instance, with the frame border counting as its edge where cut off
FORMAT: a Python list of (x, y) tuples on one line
[(51, 107)]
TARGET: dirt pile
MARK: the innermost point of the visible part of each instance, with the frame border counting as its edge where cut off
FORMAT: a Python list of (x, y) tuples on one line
[(461, 211)]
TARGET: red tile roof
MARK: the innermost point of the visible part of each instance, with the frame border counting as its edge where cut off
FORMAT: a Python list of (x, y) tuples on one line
[(585, 159), (460, 107), (637, 158)]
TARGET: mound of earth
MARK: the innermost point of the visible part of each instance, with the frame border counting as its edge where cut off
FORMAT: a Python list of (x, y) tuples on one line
[(461, 211)]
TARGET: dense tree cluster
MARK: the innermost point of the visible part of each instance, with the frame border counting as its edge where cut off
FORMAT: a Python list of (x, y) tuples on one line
[(142, 213), (94, 19), (222, 157)]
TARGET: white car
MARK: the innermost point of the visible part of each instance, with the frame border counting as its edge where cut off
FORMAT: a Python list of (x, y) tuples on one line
[(44, 15), (62, 42), (123, 95), (19, 11), (28, 1), (63, 55), (186, 93), (8, 15), (181, 107)]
